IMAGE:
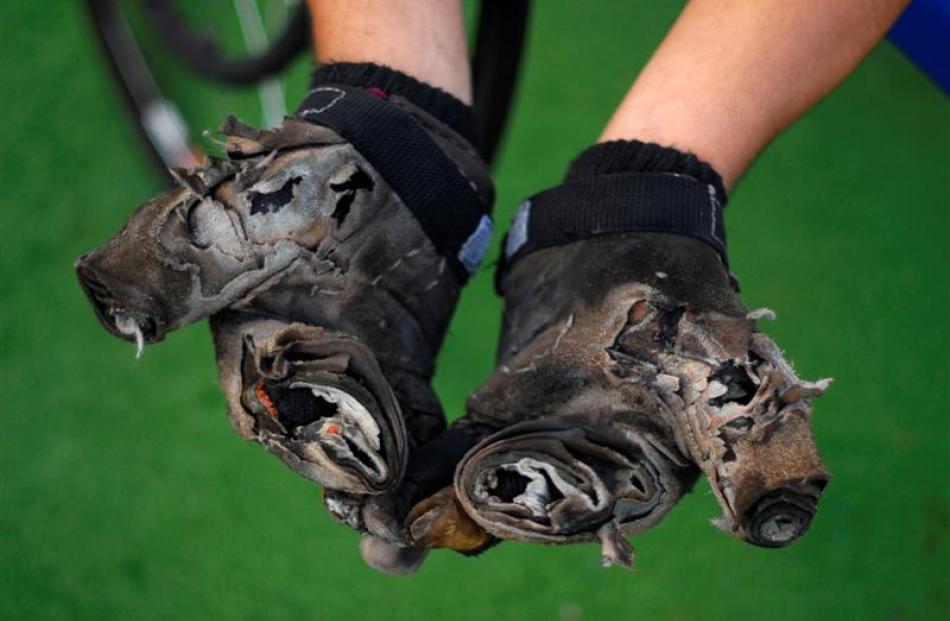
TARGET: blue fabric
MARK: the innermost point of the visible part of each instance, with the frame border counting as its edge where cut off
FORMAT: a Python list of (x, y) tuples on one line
[(923, 33)]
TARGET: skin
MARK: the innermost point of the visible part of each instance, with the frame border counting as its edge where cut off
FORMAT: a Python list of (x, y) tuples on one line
[(733, 74), (423, 38), (727, 79)]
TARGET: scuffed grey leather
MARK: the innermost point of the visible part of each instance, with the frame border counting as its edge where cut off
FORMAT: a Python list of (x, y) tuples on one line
[(324, 292), (636, 363), (353, 436), (574, 477)]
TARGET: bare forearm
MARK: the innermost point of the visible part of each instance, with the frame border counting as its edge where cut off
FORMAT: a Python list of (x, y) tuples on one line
[(731, 74), (423, 38)]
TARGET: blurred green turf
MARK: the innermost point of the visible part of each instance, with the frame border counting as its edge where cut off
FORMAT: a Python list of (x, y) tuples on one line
[(125, 495)]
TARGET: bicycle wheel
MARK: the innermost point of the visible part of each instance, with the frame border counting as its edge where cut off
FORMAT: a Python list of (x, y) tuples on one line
[(170, 95), (177, 79)]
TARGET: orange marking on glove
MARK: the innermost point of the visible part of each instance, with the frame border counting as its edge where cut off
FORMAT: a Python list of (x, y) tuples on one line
[(265, 399), (333, 429)]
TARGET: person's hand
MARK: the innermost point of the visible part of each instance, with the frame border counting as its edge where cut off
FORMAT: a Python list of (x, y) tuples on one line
[(328, 304), (617, 383)]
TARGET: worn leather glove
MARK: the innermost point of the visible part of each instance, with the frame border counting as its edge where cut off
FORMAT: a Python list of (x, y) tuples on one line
[(627, 364), (329, 291)]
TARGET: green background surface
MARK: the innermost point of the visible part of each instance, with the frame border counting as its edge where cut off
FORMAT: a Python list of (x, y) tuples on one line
[(125, 495)]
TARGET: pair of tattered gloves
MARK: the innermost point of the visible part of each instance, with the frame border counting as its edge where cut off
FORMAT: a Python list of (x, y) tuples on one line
[(329, 254)]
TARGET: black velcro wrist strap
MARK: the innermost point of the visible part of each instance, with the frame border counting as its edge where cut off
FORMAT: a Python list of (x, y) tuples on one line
[(618, 203), (445, 203)]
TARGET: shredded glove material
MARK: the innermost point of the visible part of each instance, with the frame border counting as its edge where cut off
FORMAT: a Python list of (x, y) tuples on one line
[(637, 364), (573, 478), (317, 400), (627, 363), (328, 304)]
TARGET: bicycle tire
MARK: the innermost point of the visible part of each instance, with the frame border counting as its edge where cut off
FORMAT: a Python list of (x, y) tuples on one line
[(201, 53), (496, 65), (167, 147), (496, 61)]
